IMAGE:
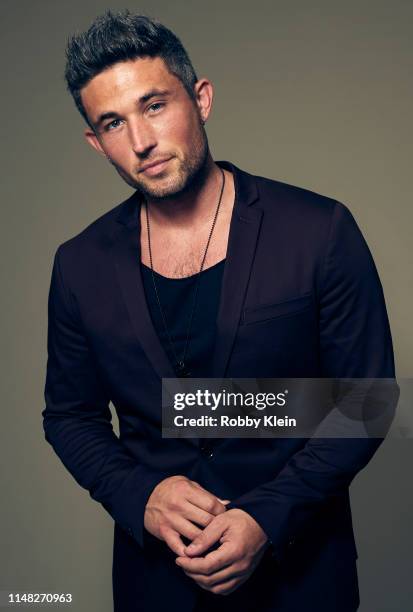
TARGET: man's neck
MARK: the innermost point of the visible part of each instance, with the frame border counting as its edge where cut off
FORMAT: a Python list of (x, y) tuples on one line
[(193, 207)]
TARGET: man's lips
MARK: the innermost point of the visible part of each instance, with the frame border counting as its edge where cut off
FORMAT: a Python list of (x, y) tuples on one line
[(155, 166)]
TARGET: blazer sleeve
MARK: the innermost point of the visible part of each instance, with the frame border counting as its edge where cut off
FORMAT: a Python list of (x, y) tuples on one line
[(355, 342), (77, 419)]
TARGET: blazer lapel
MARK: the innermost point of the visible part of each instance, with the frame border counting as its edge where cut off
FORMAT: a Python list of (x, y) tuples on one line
[(242, 241), (127, 254)]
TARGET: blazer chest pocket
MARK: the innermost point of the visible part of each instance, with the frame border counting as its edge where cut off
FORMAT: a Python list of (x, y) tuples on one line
[(279, 309)]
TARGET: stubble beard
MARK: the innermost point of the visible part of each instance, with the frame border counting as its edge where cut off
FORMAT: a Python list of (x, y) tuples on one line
[(189, 172)]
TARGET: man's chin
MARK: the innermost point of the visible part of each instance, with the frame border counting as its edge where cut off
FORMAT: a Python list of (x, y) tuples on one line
[(165, 185), (159, 189)]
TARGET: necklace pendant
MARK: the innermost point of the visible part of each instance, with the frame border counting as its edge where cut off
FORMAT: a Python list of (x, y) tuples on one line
[(182, 370)]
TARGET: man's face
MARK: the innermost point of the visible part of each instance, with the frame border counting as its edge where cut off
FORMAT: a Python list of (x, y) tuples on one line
[(142, 114)]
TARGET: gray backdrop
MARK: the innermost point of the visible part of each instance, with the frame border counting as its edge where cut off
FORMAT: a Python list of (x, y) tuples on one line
[(317, 94)]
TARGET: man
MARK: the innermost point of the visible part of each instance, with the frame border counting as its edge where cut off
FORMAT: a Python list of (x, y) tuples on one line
[(205, 270)]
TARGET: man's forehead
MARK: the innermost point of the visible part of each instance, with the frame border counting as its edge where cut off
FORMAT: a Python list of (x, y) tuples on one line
[(138, 76)]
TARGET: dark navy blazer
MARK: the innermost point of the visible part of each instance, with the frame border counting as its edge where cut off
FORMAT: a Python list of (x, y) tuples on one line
[(300, 298)]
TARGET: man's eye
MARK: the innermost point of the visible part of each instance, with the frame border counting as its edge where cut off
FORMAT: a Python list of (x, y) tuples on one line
[(112, 124), (156, 106)]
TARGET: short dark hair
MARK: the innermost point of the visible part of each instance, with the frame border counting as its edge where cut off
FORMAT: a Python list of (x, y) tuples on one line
[(116, 37)]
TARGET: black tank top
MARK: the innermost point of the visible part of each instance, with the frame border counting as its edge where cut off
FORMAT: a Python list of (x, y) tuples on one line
[(176, 296)]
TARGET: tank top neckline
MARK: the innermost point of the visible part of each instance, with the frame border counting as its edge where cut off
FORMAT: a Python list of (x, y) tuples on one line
[(182, 278)]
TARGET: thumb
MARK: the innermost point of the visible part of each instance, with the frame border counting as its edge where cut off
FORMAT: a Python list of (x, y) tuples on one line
[(207, 538)]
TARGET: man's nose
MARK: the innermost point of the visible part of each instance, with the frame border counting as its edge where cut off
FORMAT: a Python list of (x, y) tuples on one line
[(142, 137)]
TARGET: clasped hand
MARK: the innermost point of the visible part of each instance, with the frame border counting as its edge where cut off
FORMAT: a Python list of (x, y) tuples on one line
[(175, 508)]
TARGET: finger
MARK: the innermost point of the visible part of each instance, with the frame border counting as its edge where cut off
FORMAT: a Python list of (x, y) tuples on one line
[(219, 588), (201, 498), (224, 575), (213, 562), (223, 501), (207, 538), (185, 527), (196, 515), (225, 588), (173, 540)]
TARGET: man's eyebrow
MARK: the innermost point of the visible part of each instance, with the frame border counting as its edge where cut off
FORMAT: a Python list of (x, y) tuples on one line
[(142, 100), (103, 116), (152, 93)]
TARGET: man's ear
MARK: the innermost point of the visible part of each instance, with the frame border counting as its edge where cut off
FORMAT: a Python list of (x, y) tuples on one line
[(204, 92), (93, 140)]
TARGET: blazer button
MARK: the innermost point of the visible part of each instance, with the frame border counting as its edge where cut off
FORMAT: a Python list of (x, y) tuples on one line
[(207, 452), (130, 532)]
